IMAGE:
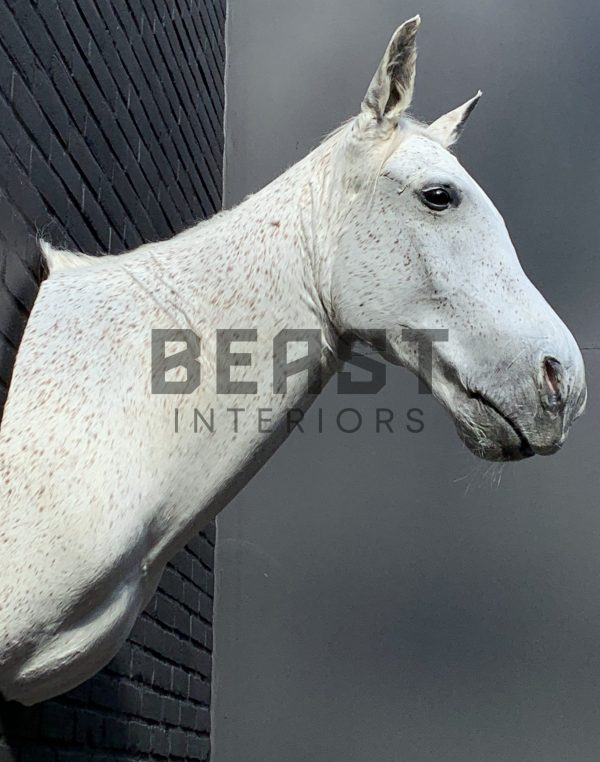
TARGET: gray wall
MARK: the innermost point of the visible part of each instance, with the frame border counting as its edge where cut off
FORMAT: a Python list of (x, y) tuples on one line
[(383, 597)]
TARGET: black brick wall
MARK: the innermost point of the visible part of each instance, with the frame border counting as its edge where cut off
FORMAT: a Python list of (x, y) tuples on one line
[(111, 134)]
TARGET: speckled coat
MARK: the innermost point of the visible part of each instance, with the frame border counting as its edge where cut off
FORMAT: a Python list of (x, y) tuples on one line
[(97, 487)]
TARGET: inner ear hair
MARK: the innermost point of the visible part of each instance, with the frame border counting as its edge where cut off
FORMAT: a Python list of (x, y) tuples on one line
[(391, 89)]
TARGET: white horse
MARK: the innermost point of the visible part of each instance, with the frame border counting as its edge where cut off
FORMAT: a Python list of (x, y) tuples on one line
[(103, 480)]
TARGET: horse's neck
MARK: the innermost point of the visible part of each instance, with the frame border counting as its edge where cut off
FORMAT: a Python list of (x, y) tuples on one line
[(258, 266), (253, 267), (259, 263)]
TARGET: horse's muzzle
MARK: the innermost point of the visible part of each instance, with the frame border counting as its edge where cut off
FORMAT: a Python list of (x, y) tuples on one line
[(519, 420)]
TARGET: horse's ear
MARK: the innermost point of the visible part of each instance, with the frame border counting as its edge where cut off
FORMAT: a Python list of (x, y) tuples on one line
[(391, 90), (448, 128)]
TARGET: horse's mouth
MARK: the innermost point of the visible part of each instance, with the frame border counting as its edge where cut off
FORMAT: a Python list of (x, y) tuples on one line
[(508, 452), (486, 429)]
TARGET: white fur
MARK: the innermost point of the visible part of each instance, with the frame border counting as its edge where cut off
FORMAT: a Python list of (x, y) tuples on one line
[(63, 260), (97, 490)]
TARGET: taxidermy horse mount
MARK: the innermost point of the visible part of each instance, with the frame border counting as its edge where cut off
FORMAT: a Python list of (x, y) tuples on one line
[(378, 228)]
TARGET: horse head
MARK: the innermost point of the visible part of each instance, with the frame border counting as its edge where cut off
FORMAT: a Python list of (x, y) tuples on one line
[(421, 252)]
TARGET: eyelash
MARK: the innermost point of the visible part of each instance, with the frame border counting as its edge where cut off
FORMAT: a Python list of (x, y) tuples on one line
[(453, 194)]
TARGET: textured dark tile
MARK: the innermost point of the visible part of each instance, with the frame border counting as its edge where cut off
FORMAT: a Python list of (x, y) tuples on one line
[(111, 133)]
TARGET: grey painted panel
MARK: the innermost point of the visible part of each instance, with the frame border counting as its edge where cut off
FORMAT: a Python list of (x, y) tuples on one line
[(383, 597)]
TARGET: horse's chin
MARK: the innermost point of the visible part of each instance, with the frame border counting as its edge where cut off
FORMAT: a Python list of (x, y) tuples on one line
[(501, 446), (490, 436)]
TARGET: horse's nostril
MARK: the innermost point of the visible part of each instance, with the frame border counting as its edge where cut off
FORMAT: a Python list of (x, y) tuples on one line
[(552, 392), (552, 374)]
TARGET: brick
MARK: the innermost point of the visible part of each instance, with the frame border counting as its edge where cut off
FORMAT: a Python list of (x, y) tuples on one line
[(7, 353), (202, 719), (165, 610), (202, 662), (89, 727), (142, 666), (201, 576), (163, 676), (58, 722), (37, 37), (171, 710), (199, 630), (154, 637), (19, 281), (177, 743), (104, 691), (152, 706), (160, 742), (139, 737), (184, 563), (129, 698), (187, 717), (180, 684), (198, 748), (191, 596), (199, 689), (175, 649), (110, 136), (206, 606), (183, 622), (30, 114), (171, 583), (81, 694), (121, 664), (203, 550), (210, 532), (115, 732)]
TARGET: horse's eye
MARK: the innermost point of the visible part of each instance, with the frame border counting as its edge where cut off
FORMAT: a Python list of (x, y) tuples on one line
[(437, 199)]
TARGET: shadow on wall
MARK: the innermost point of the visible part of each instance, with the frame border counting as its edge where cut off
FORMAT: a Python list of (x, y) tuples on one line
[(152, 699), (71, 719)]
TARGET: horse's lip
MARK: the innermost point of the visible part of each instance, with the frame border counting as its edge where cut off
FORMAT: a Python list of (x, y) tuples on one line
[(525, 449)]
